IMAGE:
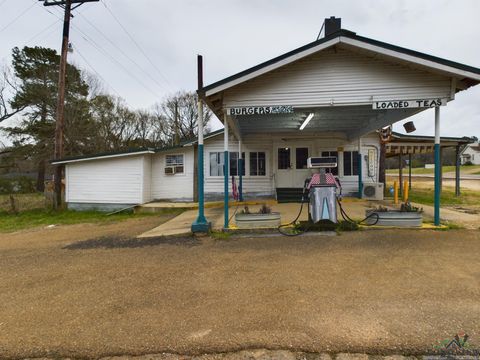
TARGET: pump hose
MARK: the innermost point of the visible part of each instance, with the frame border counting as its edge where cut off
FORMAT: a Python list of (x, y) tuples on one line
[(299, 232), (350, 220)]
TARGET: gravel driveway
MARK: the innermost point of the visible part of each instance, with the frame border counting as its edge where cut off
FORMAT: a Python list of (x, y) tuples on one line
[(369, 291)]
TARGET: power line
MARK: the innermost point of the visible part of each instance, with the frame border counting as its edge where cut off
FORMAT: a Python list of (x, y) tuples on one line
[(87, 39), (94, 44), (96, 72), (124, 53), (16, 18), (135, 42), (43, 31)]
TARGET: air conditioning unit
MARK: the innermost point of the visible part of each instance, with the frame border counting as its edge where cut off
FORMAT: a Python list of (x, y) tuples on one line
[(169, 170), (372, 191)]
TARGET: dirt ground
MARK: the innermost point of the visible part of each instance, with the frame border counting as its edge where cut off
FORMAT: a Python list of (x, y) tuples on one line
[(67, 292)]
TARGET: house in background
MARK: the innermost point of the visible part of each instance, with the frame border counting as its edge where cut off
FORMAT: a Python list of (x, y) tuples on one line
[(471, 154)]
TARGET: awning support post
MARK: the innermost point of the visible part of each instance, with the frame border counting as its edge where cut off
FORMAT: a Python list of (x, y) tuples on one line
[(200, 224), (409, 171), (400, 172), (457, 170), (360, 184), (240, 172), (437, 167), (226, 165)]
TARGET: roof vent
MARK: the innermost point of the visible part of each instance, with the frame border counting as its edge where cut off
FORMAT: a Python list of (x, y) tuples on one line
[(332, 25)]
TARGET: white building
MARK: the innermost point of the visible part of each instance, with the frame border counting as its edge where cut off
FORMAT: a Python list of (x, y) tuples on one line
[(326, 98), (471, 154)]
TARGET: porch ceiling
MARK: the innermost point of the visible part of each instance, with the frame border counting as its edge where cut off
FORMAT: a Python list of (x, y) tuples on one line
[(354, 121)]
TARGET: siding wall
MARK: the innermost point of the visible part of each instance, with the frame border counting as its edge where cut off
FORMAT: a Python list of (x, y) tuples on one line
[(254, 186), (108, 181), (172, 187), (340, 76), (147, 179)]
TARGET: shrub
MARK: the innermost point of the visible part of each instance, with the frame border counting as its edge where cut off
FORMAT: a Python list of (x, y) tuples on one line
[(18, 185)]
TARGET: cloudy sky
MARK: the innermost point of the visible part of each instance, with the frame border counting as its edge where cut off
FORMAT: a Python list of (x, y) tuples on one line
[(146, 49)]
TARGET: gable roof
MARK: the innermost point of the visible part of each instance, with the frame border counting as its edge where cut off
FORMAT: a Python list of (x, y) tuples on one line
[(473, 146), (351, 39)]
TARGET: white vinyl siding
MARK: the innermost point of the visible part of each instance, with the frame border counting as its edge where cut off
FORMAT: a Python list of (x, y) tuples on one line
[(340, 77), (109, 181), (253, 185), (177, 186)]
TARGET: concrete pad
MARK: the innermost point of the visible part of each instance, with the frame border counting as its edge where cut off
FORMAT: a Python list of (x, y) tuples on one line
[(180, 225)]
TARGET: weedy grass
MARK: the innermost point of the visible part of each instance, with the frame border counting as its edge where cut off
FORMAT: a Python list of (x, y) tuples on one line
[(40, 217)]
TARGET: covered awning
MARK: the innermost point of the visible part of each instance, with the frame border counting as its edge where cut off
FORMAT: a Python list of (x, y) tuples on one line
[(401, 144), (342, 83), (420, 144)]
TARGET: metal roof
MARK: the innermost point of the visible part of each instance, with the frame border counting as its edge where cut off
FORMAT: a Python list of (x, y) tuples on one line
[(130, 152)]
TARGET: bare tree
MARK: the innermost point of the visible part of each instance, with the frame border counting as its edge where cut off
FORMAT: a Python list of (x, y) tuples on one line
[(184, 105), (8, 87)]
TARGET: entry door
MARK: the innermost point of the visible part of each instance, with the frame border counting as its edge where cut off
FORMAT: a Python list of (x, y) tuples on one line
[(292, 166), (284, 167)]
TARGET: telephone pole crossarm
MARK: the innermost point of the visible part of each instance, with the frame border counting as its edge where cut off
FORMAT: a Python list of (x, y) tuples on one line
[(64, 2)]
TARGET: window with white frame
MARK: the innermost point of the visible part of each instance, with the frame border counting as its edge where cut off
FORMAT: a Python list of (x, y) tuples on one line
[(350, 163), (176, 161), (258, 163), (217, 163)]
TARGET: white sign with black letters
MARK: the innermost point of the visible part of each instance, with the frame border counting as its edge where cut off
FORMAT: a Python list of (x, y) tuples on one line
[(260, 110), (408, 104)]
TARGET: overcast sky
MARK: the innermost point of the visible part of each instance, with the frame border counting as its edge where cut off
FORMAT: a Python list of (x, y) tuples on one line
[(121, 39)]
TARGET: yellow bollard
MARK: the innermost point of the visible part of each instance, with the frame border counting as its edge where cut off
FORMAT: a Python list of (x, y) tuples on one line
[(395, 192), (405, 191)]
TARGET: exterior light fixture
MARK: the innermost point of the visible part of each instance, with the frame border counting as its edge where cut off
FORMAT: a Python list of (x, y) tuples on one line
[(306, 121)]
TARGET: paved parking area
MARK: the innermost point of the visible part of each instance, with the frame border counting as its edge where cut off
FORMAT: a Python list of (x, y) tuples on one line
[(382, 291)]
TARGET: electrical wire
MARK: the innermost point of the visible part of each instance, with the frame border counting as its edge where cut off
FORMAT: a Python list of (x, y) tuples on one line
[(42, 32), (123, 52), (135, 42), (96, 72), (18, 17), (99, 48), (95, 45)]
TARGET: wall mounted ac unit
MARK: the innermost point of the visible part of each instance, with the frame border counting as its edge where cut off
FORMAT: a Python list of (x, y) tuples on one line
[(169, 170), (372, 191)]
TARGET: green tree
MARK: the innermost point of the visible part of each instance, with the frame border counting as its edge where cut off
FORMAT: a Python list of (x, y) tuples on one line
[(36, 72)]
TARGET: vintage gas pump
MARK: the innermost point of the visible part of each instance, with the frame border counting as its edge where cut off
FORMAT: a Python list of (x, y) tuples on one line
[(323, 189)]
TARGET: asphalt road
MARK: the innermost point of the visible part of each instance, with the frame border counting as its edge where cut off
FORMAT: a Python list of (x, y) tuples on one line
[(367, 291)]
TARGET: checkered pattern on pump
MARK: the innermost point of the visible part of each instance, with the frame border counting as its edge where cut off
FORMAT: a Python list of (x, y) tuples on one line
[(316, 180)]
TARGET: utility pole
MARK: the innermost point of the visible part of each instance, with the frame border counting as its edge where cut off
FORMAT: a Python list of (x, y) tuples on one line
[(68, 6)]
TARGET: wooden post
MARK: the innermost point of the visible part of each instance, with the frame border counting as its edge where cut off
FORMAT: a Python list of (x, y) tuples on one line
[(400, 170), (409, 171), (405, 191), (60, 120), (395, 192), (457, 170)]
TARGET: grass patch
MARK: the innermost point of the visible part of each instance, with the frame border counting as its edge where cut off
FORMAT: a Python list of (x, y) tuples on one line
[(23, 202), (421, 171), (426, 196), (220, 235), (36, 218)]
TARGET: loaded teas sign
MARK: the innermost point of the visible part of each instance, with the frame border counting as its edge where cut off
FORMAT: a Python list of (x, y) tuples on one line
[(260, 110), (409, 104)]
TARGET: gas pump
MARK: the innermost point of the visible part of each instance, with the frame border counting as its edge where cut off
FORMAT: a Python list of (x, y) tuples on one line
[(323, 189)]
